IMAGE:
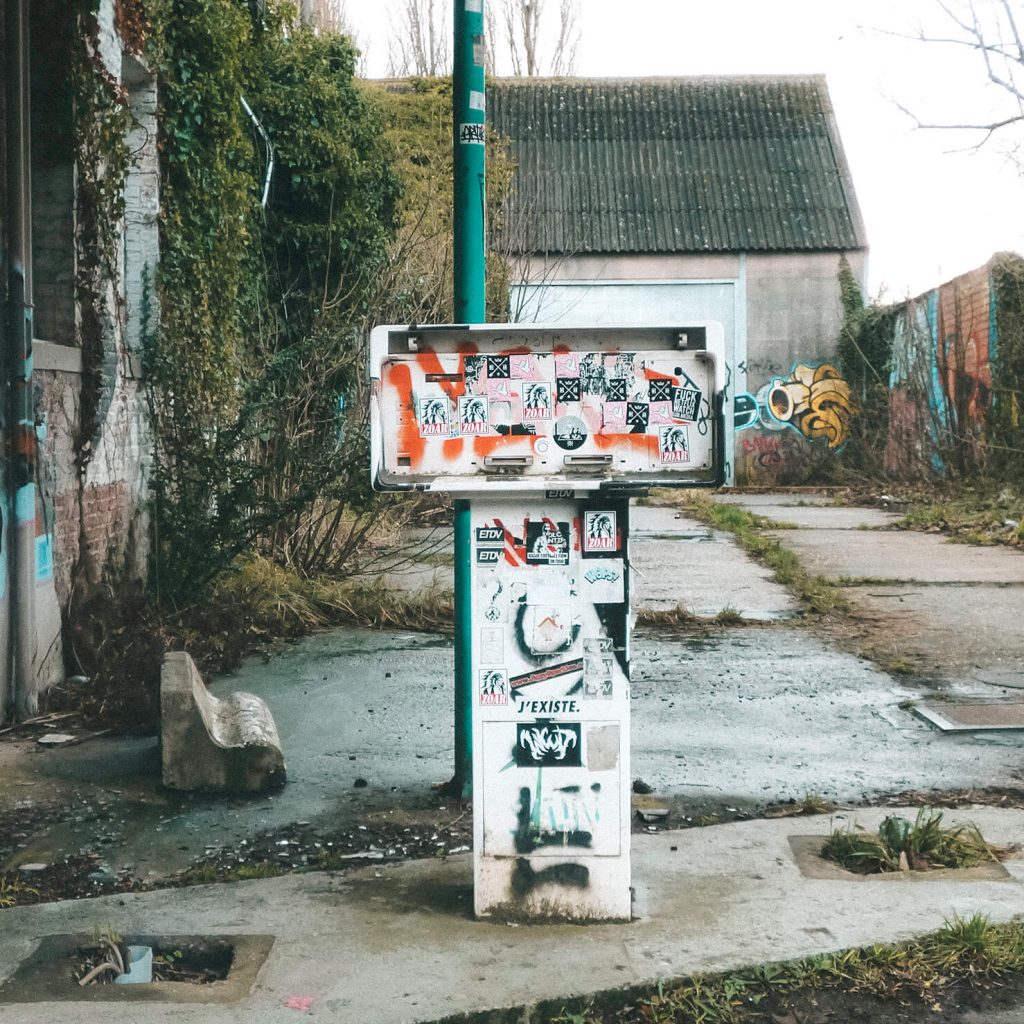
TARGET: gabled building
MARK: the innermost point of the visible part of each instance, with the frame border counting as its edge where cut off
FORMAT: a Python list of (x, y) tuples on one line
[(674, 199)]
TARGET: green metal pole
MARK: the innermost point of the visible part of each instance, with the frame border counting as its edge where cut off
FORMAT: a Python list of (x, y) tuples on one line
[(469, 259)]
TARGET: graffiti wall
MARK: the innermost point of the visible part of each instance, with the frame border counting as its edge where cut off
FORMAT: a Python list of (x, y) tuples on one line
[(793, 422), (940, 385)]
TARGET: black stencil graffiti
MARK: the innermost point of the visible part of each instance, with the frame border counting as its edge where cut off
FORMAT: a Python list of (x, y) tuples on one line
[(592, 374), (473, 134), (472, 367), (544, 745), (526, 878)]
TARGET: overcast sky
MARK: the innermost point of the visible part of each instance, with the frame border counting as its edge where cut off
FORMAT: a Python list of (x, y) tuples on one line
[(934, 205)]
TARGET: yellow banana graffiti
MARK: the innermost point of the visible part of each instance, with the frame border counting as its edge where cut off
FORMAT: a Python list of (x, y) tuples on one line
[(816, 401)]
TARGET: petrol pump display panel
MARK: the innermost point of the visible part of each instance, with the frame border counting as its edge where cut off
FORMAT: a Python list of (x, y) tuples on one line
[(534, 408)]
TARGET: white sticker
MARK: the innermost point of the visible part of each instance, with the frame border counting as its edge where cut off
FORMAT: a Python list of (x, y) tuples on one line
[(477, 6), (603, 581), (492, 645), (472, 135), (477, 100)]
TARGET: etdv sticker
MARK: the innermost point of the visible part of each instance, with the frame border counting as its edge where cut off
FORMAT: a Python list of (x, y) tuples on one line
[(674, 444), (472, 415), (490, 536), (493, 686), (434, 417), (599, 533), (547, 543), (598, 666), (488, 556), (543, 744)]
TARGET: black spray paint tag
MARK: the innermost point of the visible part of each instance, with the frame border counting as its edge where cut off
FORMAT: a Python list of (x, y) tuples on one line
[(543, 744)]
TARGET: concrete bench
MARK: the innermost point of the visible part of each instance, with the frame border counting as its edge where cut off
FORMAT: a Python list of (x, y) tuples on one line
[(228, 744)]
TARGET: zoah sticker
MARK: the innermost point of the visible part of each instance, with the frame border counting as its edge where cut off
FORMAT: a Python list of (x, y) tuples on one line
[(493, 687), (472, 415), (674, 445), (544, 744), (599, 532), (434, 417), (547, 542), (537, 401)]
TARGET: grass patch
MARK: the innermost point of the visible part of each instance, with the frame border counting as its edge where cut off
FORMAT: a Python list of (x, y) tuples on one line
[(901, 845), (965, 953), (969, 516), (817, 594), (13, 892)]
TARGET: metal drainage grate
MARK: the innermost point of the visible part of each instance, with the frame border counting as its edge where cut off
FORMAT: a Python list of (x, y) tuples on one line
[(973, 716)]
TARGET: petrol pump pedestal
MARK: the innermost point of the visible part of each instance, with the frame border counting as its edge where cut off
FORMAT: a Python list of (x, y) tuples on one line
[(547, 431)]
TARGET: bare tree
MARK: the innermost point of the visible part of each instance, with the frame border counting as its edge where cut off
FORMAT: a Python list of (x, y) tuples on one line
[(521, 28), (422, 41), (994, 29)]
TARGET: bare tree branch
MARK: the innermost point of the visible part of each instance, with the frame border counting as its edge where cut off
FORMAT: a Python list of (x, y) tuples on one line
[(421, 43)]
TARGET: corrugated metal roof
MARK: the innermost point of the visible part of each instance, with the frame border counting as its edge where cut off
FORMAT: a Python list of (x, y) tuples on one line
[(674, 165)]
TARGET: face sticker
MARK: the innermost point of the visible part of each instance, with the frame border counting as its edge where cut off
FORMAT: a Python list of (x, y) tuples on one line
[(536, 401), (673, 444), (570, 433), (543, 744), (599, 533), (493, 686), (434, 417), (472, 415), (686, 403), (547, 543)]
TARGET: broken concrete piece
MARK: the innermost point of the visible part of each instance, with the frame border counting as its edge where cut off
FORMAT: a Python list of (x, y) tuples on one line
[(209, 743)]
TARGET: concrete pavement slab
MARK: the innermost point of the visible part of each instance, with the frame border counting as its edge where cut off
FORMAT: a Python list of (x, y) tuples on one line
[(679, 561), (397, 944), (902, 555), (812, 512)]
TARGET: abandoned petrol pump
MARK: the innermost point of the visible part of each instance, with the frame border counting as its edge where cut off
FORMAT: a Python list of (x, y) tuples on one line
[(548, 431)]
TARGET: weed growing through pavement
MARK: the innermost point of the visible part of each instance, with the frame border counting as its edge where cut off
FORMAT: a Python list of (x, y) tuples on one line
[(14, 891), (817, 594), (902, 845)]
